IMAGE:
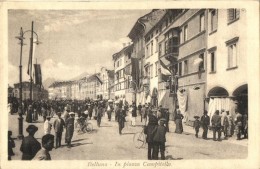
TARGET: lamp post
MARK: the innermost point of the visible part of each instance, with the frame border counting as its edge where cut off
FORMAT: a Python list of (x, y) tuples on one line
[(21, 38)]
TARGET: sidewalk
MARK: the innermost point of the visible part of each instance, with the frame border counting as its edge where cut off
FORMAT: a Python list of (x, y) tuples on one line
[(189, 130)]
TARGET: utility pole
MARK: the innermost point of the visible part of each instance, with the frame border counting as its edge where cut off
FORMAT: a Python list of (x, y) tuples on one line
[(30, 69)]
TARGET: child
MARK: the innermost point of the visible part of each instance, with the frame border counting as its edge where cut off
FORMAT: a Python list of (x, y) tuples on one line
[(196, 125), (11, 145)]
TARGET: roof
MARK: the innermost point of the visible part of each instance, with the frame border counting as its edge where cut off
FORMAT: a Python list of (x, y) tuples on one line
[(145, 23), (128, 48), (61, 83), (111, 74)]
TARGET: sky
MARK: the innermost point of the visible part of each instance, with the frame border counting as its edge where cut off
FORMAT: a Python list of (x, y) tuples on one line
[(73, 41)]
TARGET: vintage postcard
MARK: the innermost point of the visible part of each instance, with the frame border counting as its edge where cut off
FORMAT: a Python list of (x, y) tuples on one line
[(130, 84)]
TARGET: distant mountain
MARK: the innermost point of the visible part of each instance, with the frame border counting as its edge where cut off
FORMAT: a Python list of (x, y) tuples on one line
[(46, 83), (85, 74)]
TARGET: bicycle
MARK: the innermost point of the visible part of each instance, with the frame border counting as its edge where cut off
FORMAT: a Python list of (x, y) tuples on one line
[(84, 127), (139, 139)]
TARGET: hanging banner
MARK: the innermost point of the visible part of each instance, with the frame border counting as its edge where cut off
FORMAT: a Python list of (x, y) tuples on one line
[(38, 74)]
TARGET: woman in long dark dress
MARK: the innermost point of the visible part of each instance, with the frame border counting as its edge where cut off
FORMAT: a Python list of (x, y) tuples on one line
[(69, 123), (178, 121)]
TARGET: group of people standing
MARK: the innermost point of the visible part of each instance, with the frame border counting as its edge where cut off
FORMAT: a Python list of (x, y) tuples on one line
[(31, 148)]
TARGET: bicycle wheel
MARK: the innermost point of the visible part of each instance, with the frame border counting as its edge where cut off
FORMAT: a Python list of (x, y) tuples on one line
[(89, 128), (139, 139)]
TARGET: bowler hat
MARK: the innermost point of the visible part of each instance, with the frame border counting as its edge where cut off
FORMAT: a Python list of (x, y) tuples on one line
[(31, 128)]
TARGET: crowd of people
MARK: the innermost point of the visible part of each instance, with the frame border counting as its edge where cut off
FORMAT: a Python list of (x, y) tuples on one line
[(155, 120)]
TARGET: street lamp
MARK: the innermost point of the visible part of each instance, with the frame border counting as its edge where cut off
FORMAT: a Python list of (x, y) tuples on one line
[(21, 38)]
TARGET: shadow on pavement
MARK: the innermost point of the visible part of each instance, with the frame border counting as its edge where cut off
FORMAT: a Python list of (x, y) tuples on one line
[(79, 140), (106, 126), (169, 157), (127, 133), (79, 144)]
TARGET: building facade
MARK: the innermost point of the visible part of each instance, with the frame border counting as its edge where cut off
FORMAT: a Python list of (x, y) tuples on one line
[(122, 78), (106, 78), (227, 86), (37, 92)]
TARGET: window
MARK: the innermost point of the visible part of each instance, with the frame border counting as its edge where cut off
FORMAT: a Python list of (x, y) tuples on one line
[(213, 20), (186, 67), (201, 65), (232, 55), (156, 45), (186, 33), (233, 14), (232, 52), (151, 47), (181, 36), (156, 69), (212, 62), (202, 22), (160, 49), (151, 71), (180, 69)]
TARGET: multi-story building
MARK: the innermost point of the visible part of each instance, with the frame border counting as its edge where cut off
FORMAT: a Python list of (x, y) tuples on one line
[(227, 85), (122, 67), (75, 94), (142, 26), (60, 90), (182, 46), (106, 78), (92, 84), (37, 92)]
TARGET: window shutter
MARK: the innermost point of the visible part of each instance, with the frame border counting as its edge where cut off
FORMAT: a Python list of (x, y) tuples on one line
[(230, 14), (237, 13)]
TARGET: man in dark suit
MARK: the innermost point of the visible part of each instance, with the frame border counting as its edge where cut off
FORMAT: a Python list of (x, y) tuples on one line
[(216, 125), (149, 131), (204, 124), (58, 128), (30, 146)]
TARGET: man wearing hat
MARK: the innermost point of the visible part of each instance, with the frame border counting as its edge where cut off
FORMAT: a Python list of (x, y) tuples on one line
[(196, 125), (69, 123), (159, 140), (30, 146), (47, 125), (205, 120), (11, 145), (58, 128), (99, 114), (47, 145), (149, 131)]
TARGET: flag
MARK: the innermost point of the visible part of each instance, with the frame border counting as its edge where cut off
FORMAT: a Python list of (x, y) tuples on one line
[(38, 74), (164, 69), (165, 72), (31, 54), (100, 81), (135, 70)]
